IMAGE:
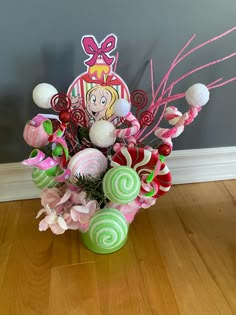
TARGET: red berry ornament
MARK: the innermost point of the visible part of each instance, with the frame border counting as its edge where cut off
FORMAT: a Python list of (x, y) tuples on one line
[(64, 116), (164, 149)]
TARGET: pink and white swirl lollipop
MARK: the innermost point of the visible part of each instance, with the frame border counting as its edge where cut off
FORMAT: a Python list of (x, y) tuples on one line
[(89, 162)]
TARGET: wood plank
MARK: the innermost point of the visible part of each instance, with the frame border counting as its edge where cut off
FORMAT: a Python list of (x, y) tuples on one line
[(231, 187), (25, 289), (74, 290), (214, 226), (193, 263), (160, 294), (180, 258), (9, 215), (66, 249), (121, 286)]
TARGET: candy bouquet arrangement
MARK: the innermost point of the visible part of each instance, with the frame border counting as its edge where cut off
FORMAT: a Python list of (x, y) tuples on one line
[(91, 158)]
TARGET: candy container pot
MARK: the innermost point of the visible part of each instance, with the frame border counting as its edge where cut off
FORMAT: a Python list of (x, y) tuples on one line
[(107, 233)]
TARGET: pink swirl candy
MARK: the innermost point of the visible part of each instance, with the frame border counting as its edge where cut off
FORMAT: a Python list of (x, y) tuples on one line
[(89, 161), (34, 133)]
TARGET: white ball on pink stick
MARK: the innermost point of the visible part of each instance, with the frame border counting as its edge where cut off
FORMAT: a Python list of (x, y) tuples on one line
[(121, 107), (102, 133), (42, 94), (197, 95)]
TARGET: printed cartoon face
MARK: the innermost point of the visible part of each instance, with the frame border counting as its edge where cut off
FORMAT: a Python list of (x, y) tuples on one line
[(100, 101)]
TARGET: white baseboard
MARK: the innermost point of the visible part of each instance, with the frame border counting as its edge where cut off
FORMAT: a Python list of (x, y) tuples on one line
[(202, 165), (16, 182), (187, 166)]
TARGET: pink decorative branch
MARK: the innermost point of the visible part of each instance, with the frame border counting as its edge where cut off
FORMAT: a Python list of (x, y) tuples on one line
[(152, 79), (198, 69), (155, 105), (177, 97), (116, 61)]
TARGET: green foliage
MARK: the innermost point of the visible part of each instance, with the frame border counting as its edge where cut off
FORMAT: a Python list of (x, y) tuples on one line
[(93, 187)]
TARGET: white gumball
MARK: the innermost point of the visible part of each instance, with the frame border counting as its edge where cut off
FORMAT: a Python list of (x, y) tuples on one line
[(197, 95), (42, 94), (102, 134), (121, 107)]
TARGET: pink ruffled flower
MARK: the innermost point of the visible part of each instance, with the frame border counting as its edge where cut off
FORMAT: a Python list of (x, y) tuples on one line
[(129, 210), (72, 225), (50, 197), (65, 209), (55, 222), (81, 214), (61, 199)]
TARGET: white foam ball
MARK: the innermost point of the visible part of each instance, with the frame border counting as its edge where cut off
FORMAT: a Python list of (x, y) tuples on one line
[(102, 133), (121, 107), (197, 95), (42, 94)]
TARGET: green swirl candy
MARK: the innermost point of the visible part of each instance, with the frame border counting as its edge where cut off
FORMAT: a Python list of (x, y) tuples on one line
[(107, 233), (121, 184)]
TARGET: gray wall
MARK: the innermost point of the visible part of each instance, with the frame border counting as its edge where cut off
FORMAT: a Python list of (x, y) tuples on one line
[(40, 42)]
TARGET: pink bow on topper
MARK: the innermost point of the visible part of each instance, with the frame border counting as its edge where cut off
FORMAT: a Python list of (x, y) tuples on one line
[(91, 47)]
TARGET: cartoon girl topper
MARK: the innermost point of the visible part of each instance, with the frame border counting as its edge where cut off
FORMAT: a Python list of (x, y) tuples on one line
[(100, 100), (99, 87)]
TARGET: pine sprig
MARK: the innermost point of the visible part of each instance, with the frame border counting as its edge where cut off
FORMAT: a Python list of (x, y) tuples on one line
[(92, 187)]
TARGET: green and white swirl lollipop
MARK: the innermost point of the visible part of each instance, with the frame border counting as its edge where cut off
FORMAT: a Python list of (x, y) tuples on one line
[(107, 233), (121, 184)]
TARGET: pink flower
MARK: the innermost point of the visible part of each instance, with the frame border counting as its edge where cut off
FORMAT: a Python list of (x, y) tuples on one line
[(129, 210), (78, 197), (56, 199), (55, 222), (65, 209), (83, 213), (75, 225), (50, 197)]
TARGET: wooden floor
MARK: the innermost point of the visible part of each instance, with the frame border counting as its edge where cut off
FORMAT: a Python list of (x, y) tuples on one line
[(180, 259)]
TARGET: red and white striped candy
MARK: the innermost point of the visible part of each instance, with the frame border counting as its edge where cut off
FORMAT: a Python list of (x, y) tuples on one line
[(172, 115), (164, 180), (144, 162), (127, 132), (179, 121), (166, 134)]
